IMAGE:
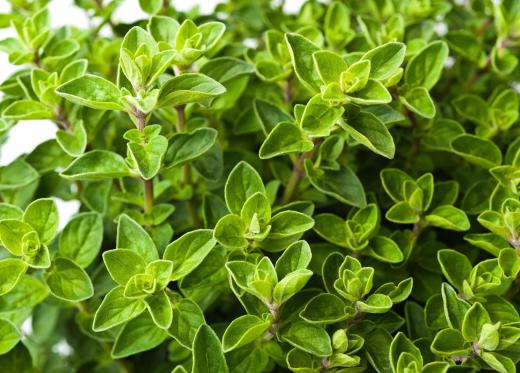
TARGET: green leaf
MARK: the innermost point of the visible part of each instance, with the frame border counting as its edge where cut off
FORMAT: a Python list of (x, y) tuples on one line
[(419, 101), (11, 233), (68, 281), (17, 360), (131, 235), (185, 147), (151, 6), (375, 303), (230, 232), (454, 307), (28, 109), (188, 251), (369, 131), (9, 336), (329, 65), (116, 310), (97, 165), (244, 330), (208, 356), (74, 140), (425, 68), (385, 250), (27, 293), (11, 271), (455, 266), (146, 150), (289, 223), (402, 345), (450, 342), (17, 175), (138, 335), (332, 228), (285, 138), (243, 181), (373, 93), (402, 213), (160, 308), (309, 338), (474, 321), (476, 150), (297, 256), (448, 217), (189, 88), (290, 285), (92, 91), (318, 117), (498, 362), (42, 215), (122, 264), (80, 240), (324, 309), (342, 184), (301, 50), (385, 60), (187, 318)]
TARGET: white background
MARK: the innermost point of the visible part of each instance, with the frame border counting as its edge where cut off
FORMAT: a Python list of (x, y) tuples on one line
[(26, 135)]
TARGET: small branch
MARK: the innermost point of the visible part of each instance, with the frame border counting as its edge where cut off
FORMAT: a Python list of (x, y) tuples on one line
[(147, 184), (288, 91), (62, 119), (298, 173), (181, 117), (274, 310)]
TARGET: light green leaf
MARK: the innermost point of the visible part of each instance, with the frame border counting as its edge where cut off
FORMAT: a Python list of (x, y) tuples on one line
[(67, 280), (28, 109), (188, 251), (81, 238), (189, 88), (122, 264), (309, 338), (385, 60), (369, 131), (243, 181), (185, 147), (301, 50), (342, 184), (42, 215), (244, 330), (92, 91), (138, 335), (9, 336), (285, 138), (425, 68), (448, 217), (97, 165), (116, 309), (11, 271), (324, 309), (208, 356), (131, 235)]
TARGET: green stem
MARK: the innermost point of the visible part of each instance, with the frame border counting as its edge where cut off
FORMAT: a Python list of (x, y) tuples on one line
[(147, 184), (298, 172), (186, 169), (294, 180)]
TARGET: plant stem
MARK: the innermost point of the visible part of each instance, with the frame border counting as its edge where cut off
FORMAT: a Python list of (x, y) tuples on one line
[(298, 173), (186, 169), (147, 184), (288, 91), (294, 180)]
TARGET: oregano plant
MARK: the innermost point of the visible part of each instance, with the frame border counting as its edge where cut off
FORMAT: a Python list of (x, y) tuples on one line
[(331, 190)]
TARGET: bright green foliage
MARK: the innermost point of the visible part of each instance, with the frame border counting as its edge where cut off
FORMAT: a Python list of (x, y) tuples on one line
[(330, 191)]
